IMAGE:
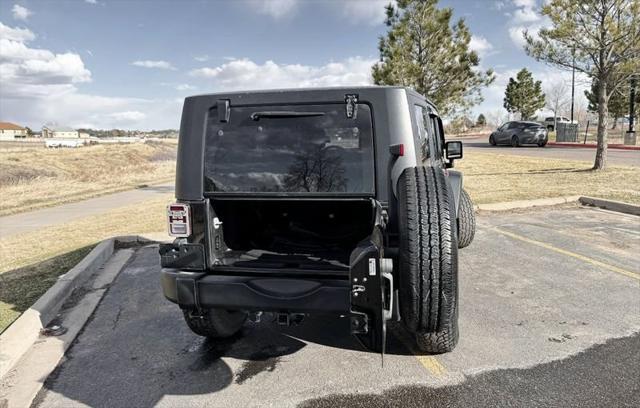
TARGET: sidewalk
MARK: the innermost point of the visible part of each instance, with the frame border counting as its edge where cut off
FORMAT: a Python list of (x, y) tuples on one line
[(33, 220)]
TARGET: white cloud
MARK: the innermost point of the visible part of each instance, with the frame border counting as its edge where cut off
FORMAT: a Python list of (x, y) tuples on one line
[(184, 87), (364, 11), (526, 15), (370, 12), (26, 71), (201, 58), (275, 8), (16, 34), (127, 116), (525, 3), (20, 12), (40, 86), (77, 109), (91, 1), (499, 4), (154, 64), (243, 74), (480, 45), (516, 33)]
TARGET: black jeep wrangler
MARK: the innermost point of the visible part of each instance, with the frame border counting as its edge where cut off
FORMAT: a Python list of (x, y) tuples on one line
[(337, 200)]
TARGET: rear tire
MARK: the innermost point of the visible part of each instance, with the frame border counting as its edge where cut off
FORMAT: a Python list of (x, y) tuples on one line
[(542, 144), (215, 323), (515, 142), (428, 259), (466, 220)]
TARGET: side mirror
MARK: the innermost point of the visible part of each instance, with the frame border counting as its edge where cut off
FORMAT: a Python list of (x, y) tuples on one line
[(453, 150)]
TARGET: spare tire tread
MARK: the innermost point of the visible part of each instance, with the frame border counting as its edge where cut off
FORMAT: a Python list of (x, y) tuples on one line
[(466, 220), (428, 259)]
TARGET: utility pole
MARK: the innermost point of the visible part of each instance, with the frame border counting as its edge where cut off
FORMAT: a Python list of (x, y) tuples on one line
[(573, 82), (630, 136)]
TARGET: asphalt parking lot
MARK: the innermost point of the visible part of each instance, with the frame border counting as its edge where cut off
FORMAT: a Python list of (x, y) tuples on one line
[(550, 315), (614, 156)]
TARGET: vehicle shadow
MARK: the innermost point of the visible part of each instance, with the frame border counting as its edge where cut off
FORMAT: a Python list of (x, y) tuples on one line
[(136, 350)]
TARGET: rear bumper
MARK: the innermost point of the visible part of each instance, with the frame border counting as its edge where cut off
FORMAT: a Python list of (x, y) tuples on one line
[(534, 139), (192, 290)]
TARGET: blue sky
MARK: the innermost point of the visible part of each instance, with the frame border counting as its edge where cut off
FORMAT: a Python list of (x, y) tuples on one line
[(130, 63)]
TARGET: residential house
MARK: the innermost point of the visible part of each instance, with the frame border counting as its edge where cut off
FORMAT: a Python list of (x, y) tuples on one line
[(59, 132), (10, 131)]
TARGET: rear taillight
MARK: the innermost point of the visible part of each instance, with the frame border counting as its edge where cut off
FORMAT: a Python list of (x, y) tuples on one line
[(179, 219)]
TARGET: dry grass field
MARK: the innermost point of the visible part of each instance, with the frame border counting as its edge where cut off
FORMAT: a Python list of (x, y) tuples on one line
[(34, 177), (491, 178)]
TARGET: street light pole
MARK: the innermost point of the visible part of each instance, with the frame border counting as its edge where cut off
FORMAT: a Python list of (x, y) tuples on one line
[(630, 136), (573, 83), (632, 101)]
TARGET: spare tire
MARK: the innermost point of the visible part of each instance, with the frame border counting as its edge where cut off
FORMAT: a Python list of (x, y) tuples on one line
[(466, 220), (215, 323), (428, 258)]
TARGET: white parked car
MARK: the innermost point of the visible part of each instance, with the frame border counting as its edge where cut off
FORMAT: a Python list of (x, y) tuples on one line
[(550, 122), (53, 143)]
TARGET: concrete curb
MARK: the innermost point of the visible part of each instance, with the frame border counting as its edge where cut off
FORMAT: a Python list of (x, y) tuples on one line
[(593, 145), (23, 333), (611, 205), (512, 205)]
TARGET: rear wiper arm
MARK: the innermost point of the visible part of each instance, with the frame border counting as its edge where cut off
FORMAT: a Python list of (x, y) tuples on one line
[(283, 114)]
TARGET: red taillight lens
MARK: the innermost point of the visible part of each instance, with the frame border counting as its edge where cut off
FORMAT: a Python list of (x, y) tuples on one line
[(179, 220)]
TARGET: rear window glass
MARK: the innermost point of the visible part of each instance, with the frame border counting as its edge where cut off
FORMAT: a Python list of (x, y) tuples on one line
[(532, 125), (265, 149)]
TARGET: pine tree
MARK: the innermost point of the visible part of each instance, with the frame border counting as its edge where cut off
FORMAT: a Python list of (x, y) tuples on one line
[(481, 121), (524, 95), (618, 105), (424, 51)]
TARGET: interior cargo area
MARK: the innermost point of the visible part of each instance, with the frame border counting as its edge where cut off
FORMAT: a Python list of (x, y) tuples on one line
[(286, 234)]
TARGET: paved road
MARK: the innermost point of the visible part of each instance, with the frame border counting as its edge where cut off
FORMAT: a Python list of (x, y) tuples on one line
[(549, 316), (615, 156), (61, 214)]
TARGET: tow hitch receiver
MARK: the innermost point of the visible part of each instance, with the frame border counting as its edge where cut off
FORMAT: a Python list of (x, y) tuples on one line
[(371, 295)]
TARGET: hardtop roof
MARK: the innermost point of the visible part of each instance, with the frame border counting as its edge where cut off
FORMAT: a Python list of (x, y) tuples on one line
[(319, 90)]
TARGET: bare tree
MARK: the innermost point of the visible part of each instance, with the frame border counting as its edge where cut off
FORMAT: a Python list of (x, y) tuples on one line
[(556, 98), (497, 117)]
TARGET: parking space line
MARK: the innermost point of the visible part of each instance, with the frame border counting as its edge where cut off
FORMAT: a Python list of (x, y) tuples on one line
[(429, 362), (583, 258)]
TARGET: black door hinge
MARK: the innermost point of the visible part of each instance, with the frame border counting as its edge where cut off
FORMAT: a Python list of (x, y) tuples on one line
[(352, 105)]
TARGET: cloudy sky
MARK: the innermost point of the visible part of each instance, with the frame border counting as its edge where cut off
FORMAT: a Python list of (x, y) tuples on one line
[(130, 63)]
